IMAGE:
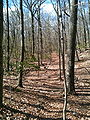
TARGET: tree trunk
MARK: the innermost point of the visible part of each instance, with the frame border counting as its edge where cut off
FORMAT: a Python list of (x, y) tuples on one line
[(23, 48), (40, 32), (41, 40), (84, 30), (59, 39), (89, 18), (1, 53), (63, 61), (8, 56), (38, 41), (71, 49), (33, 39), (89, 10), (87, 27)]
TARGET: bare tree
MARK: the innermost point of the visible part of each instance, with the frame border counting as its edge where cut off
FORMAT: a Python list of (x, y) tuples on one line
[(58, 13), (89, 10), (22, 45), (40, 30), (71, 48), (32, 5), (84, 29), (8, 55), (1, 53)]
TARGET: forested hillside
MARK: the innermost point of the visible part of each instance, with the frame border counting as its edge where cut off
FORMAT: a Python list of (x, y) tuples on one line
[(44, 60)]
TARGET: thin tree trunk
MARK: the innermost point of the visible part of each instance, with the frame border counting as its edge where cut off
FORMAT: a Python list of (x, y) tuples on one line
[(65, 99), (64, 28), (8, 55), (89, 19), (89, 10), (41, 38), (78, 42), (38, 40), (69, 4), (33, 39), (80, 29), (40, 32), (84, 31), (59, 37), (63, 62), (87, 27), (62, 40), (1, 53), (22, 47)]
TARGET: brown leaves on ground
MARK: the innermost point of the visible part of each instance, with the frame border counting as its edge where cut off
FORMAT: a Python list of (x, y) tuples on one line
[(42, 95)]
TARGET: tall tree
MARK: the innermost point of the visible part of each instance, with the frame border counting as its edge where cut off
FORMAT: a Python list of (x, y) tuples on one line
[(33, 35), (59, 36), (22, 45), (84, 28), (58, 13), (31, 6), (63, 59), (40, 30), (71, 48), (1, 52), (8, 56), (89, 10)]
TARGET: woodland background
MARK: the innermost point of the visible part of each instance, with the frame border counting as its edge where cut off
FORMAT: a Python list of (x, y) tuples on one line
[(44, 60)]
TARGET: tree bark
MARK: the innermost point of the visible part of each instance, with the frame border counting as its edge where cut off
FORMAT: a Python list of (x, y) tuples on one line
[(89, 19), (71, 49), (22, 46), (59, 39), (8, 56), (89, 10), (84, 30), (1, 53), (33, 38), (40, 32)]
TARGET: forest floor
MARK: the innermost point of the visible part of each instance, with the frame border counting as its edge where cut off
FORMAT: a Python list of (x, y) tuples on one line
[(41, 97)]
